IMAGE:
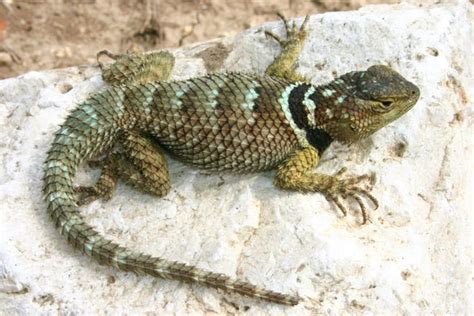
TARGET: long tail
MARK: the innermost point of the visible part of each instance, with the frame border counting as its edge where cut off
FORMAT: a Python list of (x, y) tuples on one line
[(89, 130)]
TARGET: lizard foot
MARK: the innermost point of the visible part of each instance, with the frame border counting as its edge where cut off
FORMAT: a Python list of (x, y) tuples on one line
[(104, 187), (294, 34), (86, 195), (129, 57), (107, 53), (284, 65), (136, 67), (337, 188)]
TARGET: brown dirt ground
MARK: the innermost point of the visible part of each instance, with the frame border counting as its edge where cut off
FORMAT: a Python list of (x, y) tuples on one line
[(45, 34)]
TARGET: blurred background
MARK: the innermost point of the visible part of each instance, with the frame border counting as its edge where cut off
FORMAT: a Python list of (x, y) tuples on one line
[(45, 34)]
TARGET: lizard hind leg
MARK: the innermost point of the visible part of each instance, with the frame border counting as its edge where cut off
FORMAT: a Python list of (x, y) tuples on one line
[(141, 164), (136, 68)]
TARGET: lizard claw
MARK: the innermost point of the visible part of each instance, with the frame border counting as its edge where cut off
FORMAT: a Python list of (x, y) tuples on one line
[(103, 188), (96, 164), (291, 28), (275, 37), (86, 195), (107, 53), (293, 33), (342, 189)]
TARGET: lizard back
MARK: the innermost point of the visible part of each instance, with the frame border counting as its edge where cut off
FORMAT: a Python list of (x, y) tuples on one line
[(221, 121)]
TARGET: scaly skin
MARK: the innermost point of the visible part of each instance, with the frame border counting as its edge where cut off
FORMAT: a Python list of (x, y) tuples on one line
[(221, 122)]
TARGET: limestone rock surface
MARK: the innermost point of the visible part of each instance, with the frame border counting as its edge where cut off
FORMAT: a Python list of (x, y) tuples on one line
[(414, 257)]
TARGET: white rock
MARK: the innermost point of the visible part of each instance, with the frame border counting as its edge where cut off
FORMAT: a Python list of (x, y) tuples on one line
[(415, 257)]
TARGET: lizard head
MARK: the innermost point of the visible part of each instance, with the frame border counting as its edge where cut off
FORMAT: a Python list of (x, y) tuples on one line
[(367, 101)]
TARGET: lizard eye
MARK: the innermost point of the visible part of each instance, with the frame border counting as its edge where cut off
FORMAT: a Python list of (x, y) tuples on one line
[(386, 104)]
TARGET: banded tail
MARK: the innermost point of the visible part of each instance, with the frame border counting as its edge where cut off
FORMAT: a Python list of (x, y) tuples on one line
[(89, 130)]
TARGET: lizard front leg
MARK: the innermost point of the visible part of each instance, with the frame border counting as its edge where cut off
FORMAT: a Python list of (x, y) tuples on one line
[(294, 174), (284, 64)]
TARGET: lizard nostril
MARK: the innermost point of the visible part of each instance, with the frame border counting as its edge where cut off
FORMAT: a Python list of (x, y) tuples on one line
[(415, 91)]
